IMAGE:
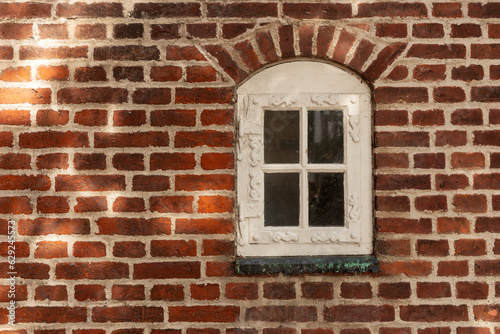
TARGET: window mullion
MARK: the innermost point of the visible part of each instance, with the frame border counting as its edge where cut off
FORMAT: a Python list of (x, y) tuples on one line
[(304, 214)]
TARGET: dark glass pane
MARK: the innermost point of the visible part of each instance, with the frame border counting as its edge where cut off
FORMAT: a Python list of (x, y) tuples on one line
[(325, 136), (326, 199), (281, 136), (282, 199)]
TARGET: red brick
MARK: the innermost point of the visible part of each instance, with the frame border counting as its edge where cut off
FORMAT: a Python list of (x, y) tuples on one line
[(6, 139), (242, 291), (279, 330), (150, 183), (173, 117), (279, 291), (127, 314), (53, 139), (6, 52), (52, 204), (91, 161), (473, 330), (128, 292), (90, 10), (227, 63), (89, 249), (129, 204), (22, 250), (91, 117), (470, 203), (429, 72), (395, 247), (90, 293), (392, 203), (431, 290), (437, 51), (306, 35), (470, 247), (391, 160), (215, 204), (130, 73), (204, 182), (361, 55), (135, 139), (359, 313), (205, 291), (487, 181), (488, 10), (133, 249), (62, 52), (217, 117), (201, 138), (401, 94), (91, 204), (53, 31), (401, 290), (388, 9), (161, 74), (24, 182), (356, 290), (52, 161), (399, 182), (493, 30), (175, 52), (28, 271), (467, 73), (491, 137), (127, 31), (283, 314), (210, 161), (451, 182), (428, 117), (93, 270), (317, 331), (448, 94), (391, 117), (169, 204), (51, 292), (125, 161), (232, 30), (217, 247), (202, 30), (467, 117), (59, 226), (51, 249), (428, 30), (432, 247), (127, 52), (485, 51), (384, 59), (15, 117), (392, 30), (92, 95), (344, 44), (133, 226), (49, 117), (317, 11), (172, 161), (50, 314), (90, 182), (324, 41), (16, 74), (266, 46), (21, 294), (15, 161), (487, 224), (156, 10), (167, 31), (25, 95), (86, 74), (467, 160), (15, 205), (152, 96), (408, 268), (166, 270), (447, 9), (429, 160), (495, 202), (167, 292), (204, 226), (451, 138), (495, 160), (398, 73), (433, 313), (173, 248), (404, 225), (401, 139), (317, 290), (453, 268), (200, 74), (25, 10), (494, 116), (90, 31)]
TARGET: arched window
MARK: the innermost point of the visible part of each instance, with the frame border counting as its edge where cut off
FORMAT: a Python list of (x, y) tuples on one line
[(304, 169)]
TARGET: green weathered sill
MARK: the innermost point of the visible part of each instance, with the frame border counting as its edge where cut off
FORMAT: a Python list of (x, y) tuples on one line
[(303, 265)]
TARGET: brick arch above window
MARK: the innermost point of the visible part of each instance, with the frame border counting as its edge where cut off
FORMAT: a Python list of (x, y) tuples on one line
[(349, 46)]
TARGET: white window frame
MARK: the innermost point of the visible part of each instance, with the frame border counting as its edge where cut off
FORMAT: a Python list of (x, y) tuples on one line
[(304, 85)]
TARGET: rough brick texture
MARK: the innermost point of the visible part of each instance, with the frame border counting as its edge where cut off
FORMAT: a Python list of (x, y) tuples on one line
[(117, 162)]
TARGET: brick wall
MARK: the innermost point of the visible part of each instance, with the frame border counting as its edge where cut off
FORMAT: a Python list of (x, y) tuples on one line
[(116, 158)]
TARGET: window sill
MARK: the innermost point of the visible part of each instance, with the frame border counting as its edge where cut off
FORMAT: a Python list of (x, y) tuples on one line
[(302, 265)]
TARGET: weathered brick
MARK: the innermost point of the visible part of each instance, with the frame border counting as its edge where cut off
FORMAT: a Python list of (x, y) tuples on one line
[(156, 10), (90, 10), (359, 313), (166, 270), (127, 314), (133, 226), (93, 270), (281, 313)]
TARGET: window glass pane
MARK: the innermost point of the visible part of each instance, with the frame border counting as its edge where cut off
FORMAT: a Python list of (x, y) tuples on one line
[(326, 199), (325, 136), (281, 136), (282, 199)]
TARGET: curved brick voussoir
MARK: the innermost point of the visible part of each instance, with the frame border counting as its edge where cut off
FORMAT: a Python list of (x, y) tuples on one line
[(344, 45)]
